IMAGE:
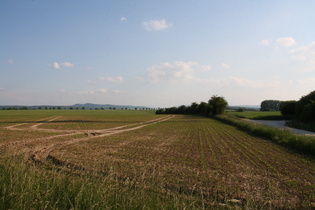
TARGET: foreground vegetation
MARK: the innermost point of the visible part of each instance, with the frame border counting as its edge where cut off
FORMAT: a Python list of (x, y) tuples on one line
[(25, 186), (140, 160)]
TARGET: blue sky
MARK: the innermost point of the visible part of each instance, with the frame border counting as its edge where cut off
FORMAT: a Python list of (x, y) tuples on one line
[(155, 53)]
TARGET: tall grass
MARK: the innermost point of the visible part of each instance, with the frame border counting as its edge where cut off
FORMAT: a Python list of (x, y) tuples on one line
[(309, 126), (27, 186), (299, 143)]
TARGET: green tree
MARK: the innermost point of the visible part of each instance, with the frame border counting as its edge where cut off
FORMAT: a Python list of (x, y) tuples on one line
[(193, 109), (270, 105), (288, 107), (306, 107), (182, 109), (204, 108), (217, 105)]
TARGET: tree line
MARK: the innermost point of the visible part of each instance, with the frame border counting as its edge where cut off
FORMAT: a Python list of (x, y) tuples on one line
[(216, 105), (71, 108), (302, 110)]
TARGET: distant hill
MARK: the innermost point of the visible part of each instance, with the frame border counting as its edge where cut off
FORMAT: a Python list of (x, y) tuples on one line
[(86, 106), (108, 106)]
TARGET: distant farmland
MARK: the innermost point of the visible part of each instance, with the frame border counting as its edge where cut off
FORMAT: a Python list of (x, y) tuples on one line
[(135, 159)]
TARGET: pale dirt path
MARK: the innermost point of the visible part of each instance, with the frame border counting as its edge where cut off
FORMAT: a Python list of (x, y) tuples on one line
[(14, 127), (281, 124), (66, 132), (35, 127), (40, 153)]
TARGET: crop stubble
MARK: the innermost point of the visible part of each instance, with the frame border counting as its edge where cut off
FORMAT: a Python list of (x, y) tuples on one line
[(217, 159), (193, 156)]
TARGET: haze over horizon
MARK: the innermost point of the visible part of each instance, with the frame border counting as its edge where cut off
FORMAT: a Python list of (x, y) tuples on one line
[(155, 53)]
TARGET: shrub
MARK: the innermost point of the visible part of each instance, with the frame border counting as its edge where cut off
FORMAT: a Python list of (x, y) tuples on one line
[(217, 105), (308, 112), (288, 108), (306, 108)]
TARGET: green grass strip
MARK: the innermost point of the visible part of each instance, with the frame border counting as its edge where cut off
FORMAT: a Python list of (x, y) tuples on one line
[(299, 143)]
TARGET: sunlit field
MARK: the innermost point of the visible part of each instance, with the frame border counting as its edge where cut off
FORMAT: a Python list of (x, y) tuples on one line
[(109, 159)]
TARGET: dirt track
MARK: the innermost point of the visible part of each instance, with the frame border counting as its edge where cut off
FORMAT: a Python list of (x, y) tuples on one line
[(179, 156), (41, 152)]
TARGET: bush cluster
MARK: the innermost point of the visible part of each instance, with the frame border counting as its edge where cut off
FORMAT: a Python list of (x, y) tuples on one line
[(215, 106), (270, 105), (303, 110)]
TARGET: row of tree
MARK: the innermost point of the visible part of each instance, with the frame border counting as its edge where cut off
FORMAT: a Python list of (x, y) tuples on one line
[(70, 108), (303, 110), (215, 106)]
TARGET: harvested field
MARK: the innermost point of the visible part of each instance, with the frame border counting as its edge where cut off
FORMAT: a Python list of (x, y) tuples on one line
[(201, 160)]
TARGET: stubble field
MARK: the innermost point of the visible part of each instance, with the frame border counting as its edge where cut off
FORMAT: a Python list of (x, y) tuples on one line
[(177, 161)]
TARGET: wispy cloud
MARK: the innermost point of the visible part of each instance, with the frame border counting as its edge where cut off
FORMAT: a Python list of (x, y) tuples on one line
[(264, 42), (85, 92), (305, 54), (206, 68), (100, 91), (122, 19), (112, 79), (92, 82), (176, 71), (246, 83), (107, 79), (103, 91), (67, 64), (286, 41), (156, 25), (225, 65), (57, 65)]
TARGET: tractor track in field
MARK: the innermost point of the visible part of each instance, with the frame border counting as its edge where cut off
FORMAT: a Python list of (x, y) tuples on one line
[(198, 159), (42, 154)]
